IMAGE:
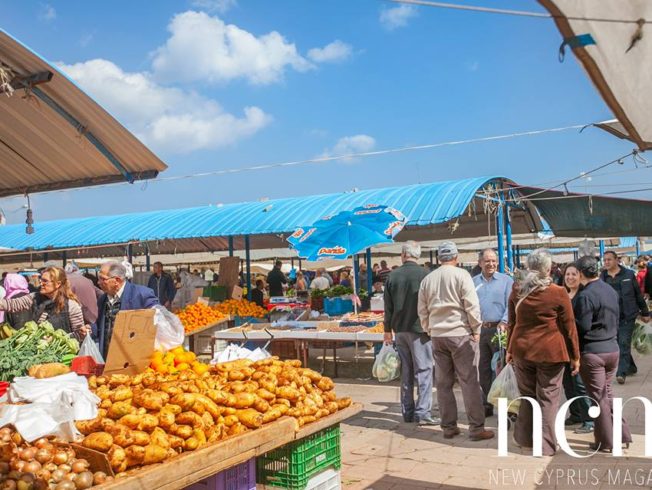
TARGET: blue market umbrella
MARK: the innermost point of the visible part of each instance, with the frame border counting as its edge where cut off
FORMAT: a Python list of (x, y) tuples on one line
[(348, 232)]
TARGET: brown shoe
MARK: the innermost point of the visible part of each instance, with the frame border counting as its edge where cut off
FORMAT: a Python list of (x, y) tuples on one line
[(451, 432), (483, 435)]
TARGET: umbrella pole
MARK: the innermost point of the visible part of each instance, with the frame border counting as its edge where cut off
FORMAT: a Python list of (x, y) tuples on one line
[(355, 303)]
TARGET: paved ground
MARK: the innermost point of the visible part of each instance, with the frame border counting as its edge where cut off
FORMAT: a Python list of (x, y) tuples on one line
[(380, 451)]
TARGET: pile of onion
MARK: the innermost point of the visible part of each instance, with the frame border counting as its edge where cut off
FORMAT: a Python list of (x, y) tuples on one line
[(42, 465)]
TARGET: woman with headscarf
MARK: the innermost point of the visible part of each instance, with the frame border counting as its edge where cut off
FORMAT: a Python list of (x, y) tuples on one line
[(16, 287), (542, 339), (54, 302)]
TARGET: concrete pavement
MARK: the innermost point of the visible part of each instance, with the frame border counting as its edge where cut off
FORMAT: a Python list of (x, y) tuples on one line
[(382, 452)]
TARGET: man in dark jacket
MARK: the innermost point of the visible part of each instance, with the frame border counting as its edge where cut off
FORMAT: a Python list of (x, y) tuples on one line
[(632, 304), (163, 285), (413, 344), (276, 279), (119, 295)]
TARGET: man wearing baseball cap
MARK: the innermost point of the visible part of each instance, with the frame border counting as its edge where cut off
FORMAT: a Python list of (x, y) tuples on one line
[(449, 309)]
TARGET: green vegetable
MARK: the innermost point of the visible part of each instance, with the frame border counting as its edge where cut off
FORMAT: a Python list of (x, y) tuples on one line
[(499, 339), (337, 291), (34, 344)]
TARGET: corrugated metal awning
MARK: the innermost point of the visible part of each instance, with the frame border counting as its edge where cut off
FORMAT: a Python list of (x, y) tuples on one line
[(453, 209), (54, 136)]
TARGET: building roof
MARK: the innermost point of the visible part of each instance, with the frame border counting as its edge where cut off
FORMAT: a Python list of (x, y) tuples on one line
[(54, 136)]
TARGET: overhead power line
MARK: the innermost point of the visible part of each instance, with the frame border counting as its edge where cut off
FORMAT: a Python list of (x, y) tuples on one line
[(348, 156), (519, 13)]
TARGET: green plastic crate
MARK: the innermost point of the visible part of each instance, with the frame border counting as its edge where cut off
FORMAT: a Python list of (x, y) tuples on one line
[(215, 293), (292, 465)]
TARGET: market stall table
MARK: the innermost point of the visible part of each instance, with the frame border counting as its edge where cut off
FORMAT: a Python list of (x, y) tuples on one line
[(303, 339), (192, 336), (191, 467)]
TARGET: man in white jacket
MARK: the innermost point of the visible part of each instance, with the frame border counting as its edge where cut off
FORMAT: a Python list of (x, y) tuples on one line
[(449, 309)]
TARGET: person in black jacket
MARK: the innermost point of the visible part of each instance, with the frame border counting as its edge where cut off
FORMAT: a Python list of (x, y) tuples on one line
[(413, 344), (597, 317), (631, 303), (257, 295), (276, 279), (163, 286)]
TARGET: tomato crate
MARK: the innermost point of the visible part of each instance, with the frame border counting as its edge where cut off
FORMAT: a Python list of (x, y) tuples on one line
[(293, 465)]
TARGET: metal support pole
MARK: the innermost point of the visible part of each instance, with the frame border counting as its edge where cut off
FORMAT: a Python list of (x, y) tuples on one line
[(370, 276), (576, 255), (230, 246), (148, 260), (292, 262), (300, 263), (500, 237), (248, 259), (518, 256), (638, 247), (64, 258), (508, 243), (431, 261), (356, 274), (437, 257), (130, 253), (601, 249), (45, 257)]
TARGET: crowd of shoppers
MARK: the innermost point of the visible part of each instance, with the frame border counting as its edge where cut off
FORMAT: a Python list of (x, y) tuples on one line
[(575, 336)]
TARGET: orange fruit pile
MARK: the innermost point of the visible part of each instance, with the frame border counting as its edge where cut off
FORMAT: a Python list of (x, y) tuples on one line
[(199, 315), (241, 307), (175, 361)]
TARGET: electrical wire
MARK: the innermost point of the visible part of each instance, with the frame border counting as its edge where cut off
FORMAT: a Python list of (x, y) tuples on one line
[(519, 13), (326, 159)]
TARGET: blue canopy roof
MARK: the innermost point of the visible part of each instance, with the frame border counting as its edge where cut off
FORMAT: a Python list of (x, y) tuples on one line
[(425, 205)]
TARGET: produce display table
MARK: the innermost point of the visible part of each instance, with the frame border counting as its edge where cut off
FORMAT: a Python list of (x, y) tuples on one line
[(303, 339), (191, 467)]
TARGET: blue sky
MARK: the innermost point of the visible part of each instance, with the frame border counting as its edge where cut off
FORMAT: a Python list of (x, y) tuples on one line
[(221, 84)]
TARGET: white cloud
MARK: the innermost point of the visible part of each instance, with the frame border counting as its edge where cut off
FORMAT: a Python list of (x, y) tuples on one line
[(47, 12), (220, 6), (333, 52), (205, 48), (395, 17), (472, 65), (348, 145), (169, 119)]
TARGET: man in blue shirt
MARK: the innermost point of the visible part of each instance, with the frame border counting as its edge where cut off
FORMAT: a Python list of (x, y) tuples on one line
[(494, 289)]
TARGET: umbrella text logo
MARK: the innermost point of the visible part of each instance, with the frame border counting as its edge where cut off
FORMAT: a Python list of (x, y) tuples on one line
[(305, 237), (337, 250), (393, 228), (297, 233), (560, 431), (368, 211)]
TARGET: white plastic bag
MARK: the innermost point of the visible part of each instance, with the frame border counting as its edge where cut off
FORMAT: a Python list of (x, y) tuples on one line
[(387, 365), (169, 329), (89, 348), (505, 386)]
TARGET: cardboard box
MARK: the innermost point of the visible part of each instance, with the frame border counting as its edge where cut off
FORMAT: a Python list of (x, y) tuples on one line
[(237, 293), (132, 343)]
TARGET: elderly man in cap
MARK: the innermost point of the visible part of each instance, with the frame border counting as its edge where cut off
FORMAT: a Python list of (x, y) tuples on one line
[(449, 309)]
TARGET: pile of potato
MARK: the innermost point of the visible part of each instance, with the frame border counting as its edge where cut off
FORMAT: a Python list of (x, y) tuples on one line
[(148, 418)]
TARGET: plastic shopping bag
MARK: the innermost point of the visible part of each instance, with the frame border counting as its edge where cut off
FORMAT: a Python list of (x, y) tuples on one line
[(642, 338), (505, 386), (169, 329), (387, 365), (89, 348)]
